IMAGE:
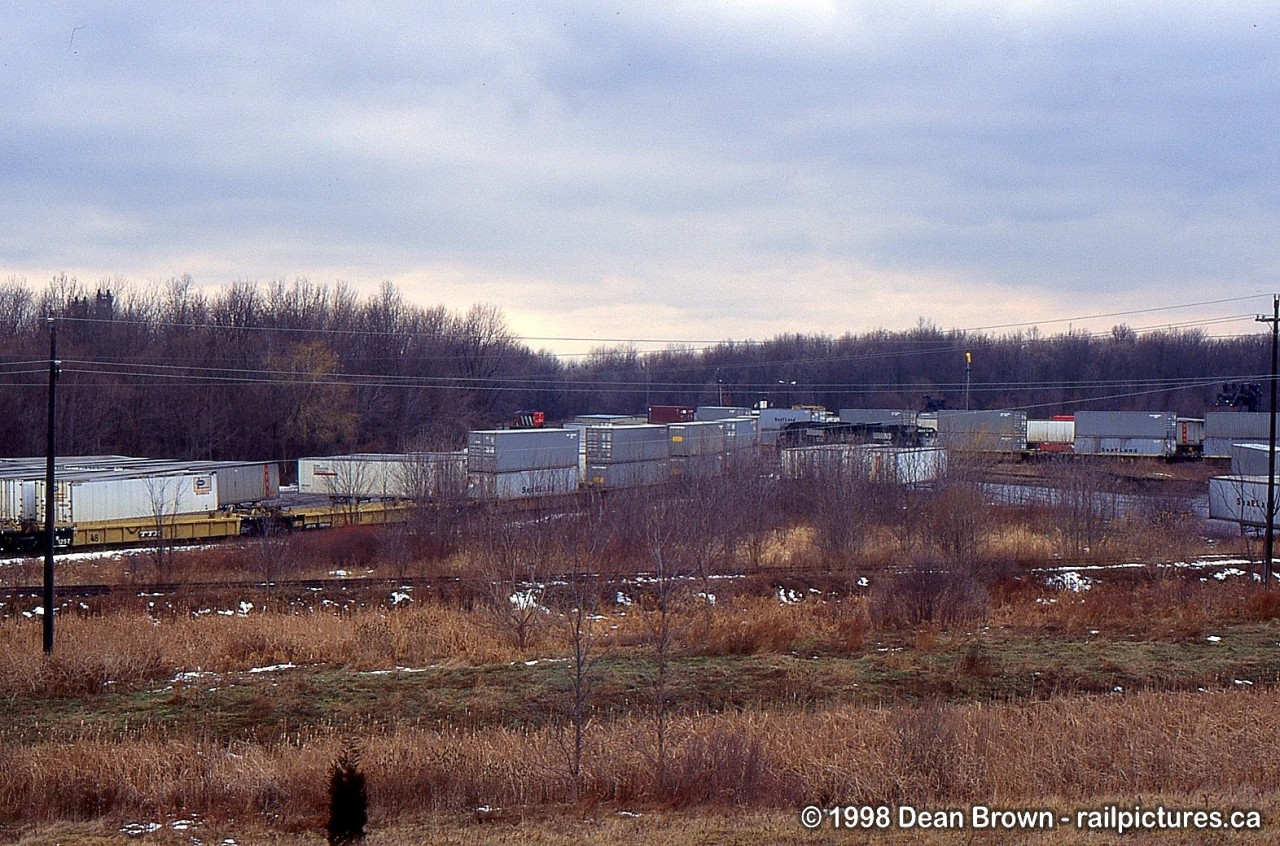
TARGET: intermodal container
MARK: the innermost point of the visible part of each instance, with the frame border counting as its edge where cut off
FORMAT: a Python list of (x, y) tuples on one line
[(695, 439), (1149, 433), (629, 474), (719, 412), (1239, 499), (877, 416), (98, 498), (418, 475), (985, 431), (671, 414), (618, 444), (1224, 428), (518, 484), (517, 450)]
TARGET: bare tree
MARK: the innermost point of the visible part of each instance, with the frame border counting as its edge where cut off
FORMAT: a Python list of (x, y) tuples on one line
[(163, 493), (513, 554), (271, 553), (1087, 507), (588, 536), (674, 543)]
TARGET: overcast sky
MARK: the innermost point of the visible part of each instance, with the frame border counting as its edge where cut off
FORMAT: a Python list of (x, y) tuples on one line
[(658, 170)]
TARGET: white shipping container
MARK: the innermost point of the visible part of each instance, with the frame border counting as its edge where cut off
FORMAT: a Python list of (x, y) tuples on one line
[(902, 466), (523, 483), (1051, 431), (384, 476), (509, 450), (10, 500), (879, 464), (1239, 499), (102, 498)]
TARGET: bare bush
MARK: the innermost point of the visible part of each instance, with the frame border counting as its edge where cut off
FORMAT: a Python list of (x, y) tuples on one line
[(928, 593)]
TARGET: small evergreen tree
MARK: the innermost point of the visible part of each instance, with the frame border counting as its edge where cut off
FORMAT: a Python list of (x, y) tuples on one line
[(348, 800)]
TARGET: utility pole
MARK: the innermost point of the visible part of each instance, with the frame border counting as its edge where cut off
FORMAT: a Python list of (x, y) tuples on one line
[(1268, 543), (50, 521), (968, 366)]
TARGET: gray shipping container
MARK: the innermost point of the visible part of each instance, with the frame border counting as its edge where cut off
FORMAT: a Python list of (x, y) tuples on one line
[(513, 450), (695, 466), (245, 482), (1150, 433), (1224, 428), (774, 420), (609, 420), (611, 444), (691, 439), (740, 433), (719, 412), (631, 474), (987, 431), (523, 483), (873, 416)]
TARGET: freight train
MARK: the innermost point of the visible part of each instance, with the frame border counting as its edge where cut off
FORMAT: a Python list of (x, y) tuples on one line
[(120, 500)]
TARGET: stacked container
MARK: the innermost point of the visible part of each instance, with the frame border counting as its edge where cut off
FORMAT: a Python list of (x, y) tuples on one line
[(877, 416), (1224, 428), (719, 412), (514, 463), (985, 431), (1151, 433), (697, 449), (663, 414), (626, 456)]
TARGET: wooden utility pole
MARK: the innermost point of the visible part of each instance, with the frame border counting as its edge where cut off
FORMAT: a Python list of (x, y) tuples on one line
[(1268, 542), (50, 480)]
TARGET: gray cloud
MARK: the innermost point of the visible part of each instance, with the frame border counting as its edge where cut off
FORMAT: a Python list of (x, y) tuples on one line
[(730, 165)]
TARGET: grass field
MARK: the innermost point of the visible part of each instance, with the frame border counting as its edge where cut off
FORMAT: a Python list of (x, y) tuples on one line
[(213, 714)]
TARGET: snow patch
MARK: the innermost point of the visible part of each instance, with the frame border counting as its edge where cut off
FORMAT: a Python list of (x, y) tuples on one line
[(1069, 580)]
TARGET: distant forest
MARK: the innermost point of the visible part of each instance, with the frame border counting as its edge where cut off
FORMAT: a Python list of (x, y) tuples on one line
[(286, 370)]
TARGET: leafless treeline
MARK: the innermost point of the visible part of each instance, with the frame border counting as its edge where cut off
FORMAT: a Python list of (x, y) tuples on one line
[(287, 369), (253, 371)]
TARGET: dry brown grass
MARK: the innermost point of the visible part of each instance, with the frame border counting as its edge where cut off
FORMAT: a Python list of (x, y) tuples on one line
[(1070, 751), (128, 648)]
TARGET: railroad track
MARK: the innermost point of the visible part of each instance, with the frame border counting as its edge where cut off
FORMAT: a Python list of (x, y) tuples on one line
[(458, 584)]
